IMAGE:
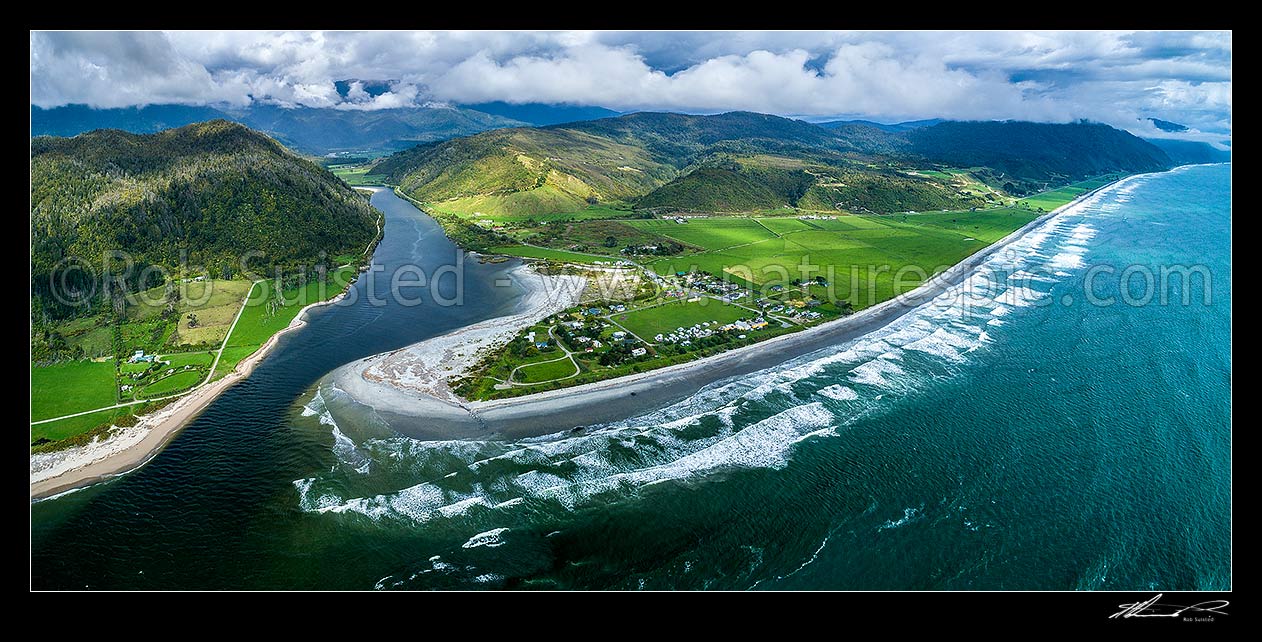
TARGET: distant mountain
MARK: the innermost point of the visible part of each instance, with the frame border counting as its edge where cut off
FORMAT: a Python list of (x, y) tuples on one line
[(743, 161), (210, 191), (1184, 152), (539, 114), (320, 131), (1030, 156), (894, 128), (370, 87), (72, 120), (309, 130), (1167, 126)]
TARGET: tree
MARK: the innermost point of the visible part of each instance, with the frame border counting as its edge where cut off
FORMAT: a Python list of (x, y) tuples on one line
[(611, 241), (192, 320)]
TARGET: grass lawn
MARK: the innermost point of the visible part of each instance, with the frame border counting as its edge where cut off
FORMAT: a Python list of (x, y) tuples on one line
[(548, 253), (649, 322), (63, 428), (545, 371), (195, 359), (66, 388), (177, 382)]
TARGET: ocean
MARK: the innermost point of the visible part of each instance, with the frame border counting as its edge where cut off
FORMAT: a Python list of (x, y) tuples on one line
[(1060, 421)]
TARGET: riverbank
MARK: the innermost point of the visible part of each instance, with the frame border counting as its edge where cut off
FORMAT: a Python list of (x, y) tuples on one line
[(419, 413), (416, 377), (131, 447)]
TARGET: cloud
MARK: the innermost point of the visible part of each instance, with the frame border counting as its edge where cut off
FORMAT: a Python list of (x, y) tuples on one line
[(1117, 77)]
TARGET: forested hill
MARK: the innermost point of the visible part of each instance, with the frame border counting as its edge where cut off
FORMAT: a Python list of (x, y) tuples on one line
[(742, 161), (1036, 153), (1191, 151), (211, 191)]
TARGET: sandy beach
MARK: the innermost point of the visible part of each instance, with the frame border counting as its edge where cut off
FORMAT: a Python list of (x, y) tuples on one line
[(431, 411), (415, 378), (132, 447)]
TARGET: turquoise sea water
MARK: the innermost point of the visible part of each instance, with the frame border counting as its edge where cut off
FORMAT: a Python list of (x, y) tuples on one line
[(1009, 435)]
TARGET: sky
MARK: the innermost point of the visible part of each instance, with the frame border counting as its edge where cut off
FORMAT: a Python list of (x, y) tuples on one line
[(1120, 78)]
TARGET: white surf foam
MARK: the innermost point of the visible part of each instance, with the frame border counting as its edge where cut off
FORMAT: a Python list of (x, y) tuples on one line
[(839, 392), (489, 539)]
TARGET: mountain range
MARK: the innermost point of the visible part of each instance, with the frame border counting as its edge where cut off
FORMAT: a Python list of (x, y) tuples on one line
[(741, 161), (318, 131)]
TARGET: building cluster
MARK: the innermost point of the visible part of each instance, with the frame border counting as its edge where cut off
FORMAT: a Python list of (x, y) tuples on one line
[(639, 249), (685, 336)]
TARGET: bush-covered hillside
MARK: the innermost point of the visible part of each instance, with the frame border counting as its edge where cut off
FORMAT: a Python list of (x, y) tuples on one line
[(201, 195)]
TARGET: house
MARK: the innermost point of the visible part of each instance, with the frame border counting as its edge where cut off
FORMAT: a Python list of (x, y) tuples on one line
[(592, 311), (541, 345), (619, 308), (619, 334), (638, 352), (582, 339), (597, 344), (530, 336), (141, 357), (657, 338)]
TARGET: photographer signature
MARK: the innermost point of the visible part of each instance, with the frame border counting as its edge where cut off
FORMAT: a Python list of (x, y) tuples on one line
[(1151, 608)]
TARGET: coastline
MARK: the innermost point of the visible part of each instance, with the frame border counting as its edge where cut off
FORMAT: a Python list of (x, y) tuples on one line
[(132, 447), (428, 416), (418, 373)]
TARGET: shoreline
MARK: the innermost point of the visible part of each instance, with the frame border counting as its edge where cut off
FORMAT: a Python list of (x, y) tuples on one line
[(131, 448), (419, 373), (598, 402)]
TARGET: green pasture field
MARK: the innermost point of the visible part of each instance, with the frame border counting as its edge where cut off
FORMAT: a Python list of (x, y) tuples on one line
[(663, 319), (69, 427), (178, 381), (75, 386), (544, 371)]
